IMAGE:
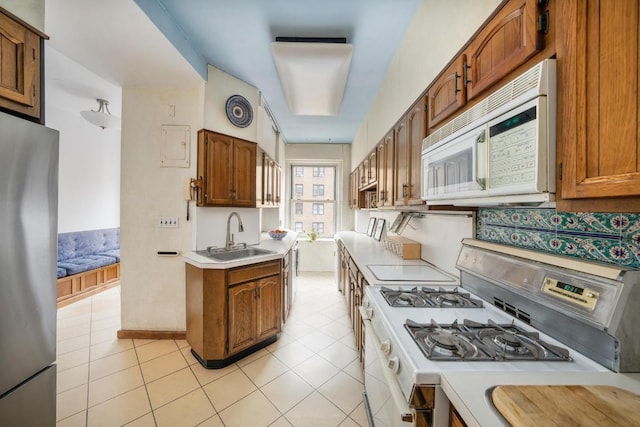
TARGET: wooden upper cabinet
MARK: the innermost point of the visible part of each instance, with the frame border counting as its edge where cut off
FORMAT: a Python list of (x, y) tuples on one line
[(244, 163), (20, 79), (402, 168), (372, 170), (417, 128), (599, 102), (386, 170), (362, 174), (448, 93), (353, 189), (510, 39), (226, 170)]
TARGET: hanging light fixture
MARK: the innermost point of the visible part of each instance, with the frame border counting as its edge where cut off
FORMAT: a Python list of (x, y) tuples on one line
[(101, 118)]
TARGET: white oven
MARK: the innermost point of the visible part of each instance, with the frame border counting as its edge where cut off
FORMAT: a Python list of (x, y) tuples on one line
[(384, 401), (502, 150)]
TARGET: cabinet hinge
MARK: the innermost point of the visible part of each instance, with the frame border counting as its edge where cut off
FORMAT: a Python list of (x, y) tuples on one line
[(560, 171), (543, 22)]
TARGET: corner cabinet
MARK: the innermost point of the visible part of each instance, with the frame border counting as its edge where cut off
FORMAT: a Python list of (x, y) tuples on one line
[(226, 170), (232, 313), (20, 66), (599, 104)]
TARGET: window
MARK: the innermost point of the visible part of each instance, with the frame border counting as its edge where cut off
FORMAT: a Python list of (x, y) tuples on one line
[(318, 190), (313, 198), (318, 209)]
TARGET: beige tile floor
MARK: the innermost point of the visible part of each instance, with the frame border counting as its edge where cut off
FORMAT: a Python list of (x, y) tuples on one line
[(310, 377)]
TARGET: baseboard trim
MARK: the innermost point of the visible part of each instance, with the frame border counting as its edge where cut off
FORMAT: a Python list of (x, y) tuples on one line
[(151, 335)]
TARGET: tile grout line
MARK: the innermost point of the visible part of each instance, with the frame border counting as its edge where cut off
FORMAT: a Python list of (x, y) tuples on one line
[(146, 390)]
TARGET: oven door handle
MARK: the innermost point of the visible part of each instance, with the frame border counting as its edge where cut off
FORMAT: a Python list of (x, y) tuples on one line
[(406, 415)]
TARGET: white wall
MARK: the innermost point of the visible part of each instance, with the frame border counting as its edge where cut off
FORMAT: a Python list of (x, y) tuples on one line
[(439, 233), (89, 169), (153, 293), (30, 11), (220, 86), (438, 30)]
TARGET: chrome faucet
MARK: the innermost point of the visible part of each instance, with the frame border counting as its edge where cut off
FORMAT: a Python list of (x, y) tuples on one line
[(229, 239)]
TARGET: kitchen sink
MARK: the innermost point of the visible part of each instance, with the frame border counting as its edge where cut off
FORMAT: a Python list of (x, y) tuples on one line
[(234, 254)]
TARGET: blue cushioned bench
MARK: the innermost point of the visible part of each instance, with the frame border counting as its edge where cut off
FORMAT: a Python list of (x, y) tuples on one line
[(88, 262)]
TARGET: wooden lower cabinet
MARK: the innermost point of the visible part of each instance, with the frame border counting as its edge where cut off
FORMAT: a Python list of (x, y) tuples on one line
[(232, 313), (455, 420)]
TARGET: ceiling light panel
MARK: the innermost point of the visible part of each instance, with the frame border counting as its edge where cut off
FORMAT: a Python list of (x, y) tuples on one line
[(313, 75)]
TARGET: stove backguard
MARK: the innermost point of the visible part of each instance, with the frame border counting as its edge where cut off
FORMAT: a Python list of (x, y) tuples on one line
[(591, 308)]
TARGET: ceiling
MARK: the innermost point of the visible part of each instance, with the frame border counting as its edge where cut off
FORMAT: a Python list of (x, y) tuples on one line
[(170, 42)]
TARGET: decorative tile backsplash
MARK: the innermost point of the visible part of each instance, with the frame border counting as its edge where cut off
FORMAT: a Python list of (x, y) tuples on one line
[(612, 238)]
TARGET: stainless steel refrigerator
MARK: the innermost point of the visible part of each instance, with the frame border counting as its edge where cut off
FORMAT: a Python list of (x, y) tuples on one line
[(28, 256)]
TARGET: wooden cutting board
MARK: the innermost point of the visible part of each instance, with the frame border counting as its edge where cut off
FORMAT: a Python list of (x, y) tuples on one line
[(567, 405)]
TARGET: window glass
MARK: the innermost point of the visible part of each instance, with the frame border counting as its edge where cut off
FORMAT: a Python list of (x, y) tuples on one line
[(315, 209), (318, 190), (318, 209)]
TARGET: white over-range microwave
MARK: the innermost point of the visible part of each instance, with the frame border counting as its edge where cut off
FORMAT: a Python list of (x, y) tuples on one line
[(499, 152)]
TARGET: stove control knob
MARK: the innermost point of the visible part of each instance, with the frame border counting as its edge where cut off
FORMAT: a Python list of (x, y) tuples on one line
[(385, 346), (394, 364), (366, 313)]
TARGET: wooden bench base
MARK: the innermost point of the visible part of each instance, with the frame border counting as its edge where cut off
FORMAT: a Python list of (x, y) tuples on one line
[(82, 285)]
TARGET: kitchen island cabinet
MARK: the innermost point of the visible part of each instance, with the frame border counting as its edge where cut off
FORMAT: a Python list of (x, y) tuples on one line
[(232, 312), (599, 107)]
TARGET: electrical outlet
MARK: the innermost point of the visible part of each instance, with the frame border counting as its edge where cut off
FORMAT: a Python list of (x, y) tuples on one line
[(168, 222)]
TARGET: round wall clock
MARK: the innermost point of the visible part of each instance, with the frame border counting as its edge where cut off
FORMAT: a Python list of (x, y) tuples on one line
[(239, 111)]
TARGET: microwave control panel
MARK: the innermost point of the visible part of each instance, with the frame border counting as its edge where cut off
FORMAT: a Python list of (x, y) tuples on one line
[(512, 149)]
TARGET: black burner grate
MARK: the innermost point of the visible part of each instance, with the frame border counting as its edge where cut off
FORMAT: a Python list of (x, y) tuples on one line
[(473, 341)]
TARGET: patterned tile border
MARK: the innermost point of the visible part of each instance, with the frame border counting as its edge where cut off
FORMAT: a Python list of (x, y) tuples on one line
[(612, 238)]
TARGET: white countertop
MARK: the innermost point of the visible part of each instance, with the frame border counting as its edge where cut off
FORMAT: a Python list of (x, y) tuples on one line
[(279, 247), (365, 250), (470, 392)]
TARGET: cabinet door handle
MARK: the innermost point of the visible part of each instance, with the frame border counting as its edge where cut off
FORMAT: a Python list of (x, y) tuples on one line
[(456, 89), (467, 80)]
